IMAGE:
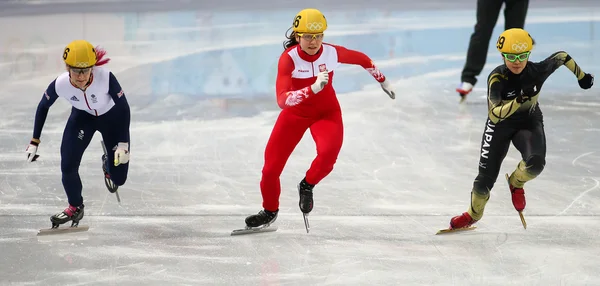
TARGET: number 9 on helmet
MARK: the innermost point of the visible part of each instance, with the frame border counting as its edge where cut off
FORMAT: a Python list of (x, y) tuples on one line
[(80, 54), (514, 41), (310, 21)]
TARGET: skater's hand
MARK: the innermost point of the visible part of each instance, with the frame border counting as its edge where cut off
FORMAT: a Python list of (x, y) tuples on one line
[(122, 153), (32, 150), (387, 87), (586, 81), (322, 80), (527, 93)]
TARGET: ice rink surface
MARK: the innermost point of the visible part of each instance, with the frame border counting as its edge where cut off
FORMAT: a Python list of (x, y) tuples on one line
[(406, 167)]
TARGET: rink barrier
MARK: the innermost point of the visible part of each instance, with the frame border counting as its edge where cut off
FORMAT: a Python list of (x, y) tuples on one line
[(230, 54)]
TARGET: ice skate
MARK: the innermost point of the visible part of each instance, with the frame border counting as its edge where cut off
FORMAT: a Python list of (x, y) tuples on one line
[(460, 223), (112, 188), (260, 222), (110, 185), (518, 197), (305, 191), (518, 200), (72, 214), (466, 220), (463, 89)]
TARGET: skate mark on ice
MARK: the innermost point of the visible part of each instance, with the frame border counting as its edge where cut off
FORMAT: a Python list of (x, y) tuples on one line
[(579, 197), (581, 156), (103, 202)]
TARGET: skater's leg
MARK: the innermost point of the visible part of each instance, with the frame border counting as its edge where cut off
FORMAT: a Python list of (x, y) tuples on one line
[(531, 142), (76, 137), (515, 13), (328, 134), (287, 133), (114, 127), (487, 16), (494, 146)]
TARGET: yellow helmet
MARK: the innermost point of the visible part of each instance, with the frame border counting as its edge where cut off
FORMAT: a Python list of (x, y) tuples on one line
[(514, 41), (309, 21), (80, 54)]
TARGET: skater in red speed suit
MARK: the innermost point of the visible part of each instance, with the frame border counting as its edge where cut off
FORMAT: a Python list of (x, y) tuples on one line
[(308, 100)]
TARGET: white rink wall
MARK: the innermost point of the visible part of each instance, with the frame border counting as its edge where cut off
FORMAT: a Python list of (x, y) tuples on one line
[(222, 53)]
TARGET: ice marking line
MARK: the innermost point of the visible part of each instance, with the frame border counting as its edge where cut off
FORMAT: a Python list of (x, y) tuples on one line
[(579, 197), (581, 156)]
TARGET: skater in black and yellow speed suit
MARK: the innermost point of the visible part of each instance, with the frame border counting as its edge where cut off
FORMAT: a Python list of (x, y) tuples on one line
[(514, 116)]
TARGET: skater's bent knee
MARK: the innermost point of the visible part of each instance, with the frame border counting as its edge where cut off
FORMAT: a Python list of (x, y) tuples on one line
[(118, 176), (118, 180), (535, 164)]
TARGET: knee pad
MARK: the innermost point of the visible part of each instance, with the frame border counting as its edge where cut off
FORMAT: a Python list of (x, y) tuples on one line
[(482, 185), (535, 164)]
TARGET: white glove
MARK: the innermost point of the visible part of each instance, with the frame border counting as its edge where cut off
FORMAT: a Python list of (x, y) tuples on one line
[(387, 87), (322, 80), (122, 153), (32, 150)]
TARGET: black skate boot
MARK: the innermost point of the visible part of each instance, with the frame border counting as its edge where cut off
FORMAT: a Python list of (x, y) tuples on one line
[(264, 218), (112, 188), (74, 214), (305, 190)]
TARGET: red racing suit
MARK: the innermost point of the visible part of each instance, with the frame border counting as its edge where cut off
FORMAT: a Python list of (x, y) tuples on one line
[(303, 109)]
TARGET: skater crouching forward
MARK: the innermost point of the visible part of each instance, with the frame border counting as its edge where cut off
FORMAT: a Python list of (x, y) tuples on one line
[(99, 104), (514, 116), (308, 100)]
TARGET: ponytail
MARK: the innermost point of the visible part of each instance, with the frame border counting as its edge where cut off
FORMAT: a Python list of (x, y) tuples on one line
[(100, 53), (291, 39)]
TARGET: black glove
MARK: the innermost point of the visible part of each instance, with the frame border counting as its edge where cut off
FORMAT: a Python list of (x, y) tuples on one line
[(587, 81), (527, 93)]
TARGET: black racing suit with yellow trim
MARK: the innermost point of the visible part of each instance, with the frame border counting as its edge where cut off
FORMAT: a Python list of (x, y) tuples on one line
[(514, 116)]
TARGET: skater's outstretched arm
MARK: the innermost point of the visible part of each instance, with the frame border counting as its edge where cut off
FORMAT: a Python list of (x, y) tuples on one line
[(352, 57), (47, 100), (560, 58), (348, 56)]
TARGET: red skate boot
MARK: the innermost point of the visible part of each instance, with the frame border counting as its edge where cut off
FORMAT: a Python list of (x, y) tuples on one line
[(518, 200), (462, 221), (459, 223), (518, 197)]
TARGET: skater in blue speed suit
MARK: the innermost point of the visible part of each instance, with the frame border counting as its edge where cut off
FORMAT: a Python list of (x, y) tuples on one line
[(99, 104)]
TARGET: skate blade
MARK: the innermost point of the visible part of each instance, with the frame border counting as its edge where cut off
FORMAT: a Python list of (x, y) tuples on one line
[(118, 197), (523, 220), (520, 212), (306, 224), (109, 184), (49, 231), (251, 230), (450, 230)]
